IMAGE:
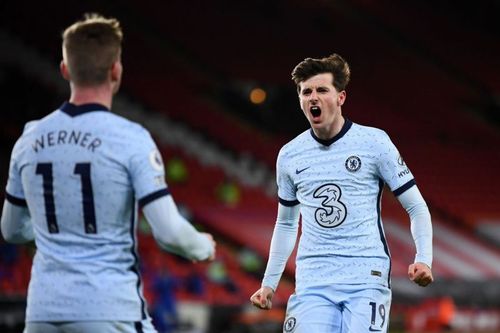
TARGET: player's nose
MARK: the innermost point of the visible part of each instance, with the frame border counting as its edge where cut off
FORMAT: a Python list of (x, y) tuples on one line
[(313, 98)]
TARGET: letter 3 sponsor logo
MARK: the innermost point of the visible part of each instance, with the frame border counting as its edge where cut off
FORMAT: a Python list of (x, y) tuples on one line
[(332, 212)]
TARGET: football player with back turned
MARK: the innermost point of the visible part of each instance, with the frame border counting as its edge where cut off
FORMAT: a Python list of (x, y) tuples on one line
[(75, 181)]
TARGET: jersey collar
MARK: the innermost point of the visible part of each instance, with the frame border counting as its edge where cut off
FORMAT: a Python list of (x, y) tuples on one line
[(343, 131), (76, 110)]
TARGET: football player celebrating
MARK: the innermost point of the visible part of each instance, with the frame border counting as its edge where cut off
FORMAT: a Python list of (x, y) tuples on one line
[(333, 175)]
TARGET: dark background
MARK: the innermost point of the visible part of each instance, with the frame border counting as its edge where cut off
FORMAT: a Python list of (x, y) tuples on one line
[(427, 72)]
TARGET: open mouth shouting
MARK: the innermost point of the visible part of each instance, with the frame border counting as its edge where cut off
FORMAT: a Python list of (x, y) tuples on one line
[(315, 111)]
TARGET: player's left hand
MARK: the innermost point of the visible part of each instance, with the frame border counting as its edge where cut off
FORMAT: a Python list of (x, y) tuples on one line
[(420, 273), (214, 245)]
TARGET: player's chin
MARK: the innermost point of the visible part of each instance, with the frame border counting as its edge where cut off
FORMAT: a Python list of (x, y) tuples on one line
[(315, 122)]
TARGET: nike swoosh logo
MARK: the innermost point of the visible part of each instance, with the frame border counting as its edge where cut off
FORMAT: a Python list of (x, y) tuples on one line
[(297, 171)]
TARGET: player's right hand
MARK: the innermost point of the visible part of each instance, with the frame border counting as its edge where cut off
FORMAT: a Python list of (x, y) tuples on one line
[(214, 244), (262, 298)]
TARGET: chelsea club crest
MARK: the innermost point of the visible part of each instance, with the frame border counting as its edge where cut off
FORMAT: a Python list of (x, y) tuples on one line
[(353, 163), (290, 324)]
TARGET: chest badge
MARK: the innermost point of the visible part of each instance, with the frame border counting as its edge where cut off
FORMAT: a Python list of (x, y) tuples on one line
[(353, 163)]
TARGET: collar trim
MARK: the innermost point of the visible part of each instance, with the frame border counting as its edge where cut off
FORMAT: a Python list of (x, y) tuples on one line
[(76, 110), (338, 136)]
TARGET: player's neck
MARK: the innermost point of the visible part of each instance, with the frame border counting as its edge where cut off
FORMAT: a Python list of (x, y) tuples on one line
[(86, 95), (326, 133)]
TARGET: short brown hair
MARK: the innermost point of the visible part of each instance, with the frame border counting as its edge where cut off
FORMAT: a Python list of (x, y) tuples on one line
[(90, 47), (334, 64)]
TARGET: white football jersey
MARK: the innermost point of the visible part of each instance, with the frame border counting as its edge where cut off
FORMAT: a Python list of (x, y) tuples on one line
[(81, 171), (338, 184)]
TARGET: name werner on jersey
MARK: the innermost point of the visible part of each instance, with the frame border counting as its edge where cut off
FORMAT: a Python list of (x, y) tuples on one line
[(62, 137)]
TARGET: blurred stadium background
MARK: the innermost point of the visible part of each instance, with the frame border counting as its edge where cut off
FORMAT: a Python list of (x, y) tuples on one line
[(211, 80)]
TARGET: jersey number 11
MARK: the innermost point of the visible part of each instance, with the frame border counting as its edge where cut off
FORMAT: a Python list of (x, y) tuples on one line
[(82, 169)]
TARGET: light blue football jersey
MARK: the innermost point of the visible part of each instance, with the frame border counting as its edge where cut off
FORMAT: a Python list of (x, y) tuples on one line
[(82, 170), (338, 184)]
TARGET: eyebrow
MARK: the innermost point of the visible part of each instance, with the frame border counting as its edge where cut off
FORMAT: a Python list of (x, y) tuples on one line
[(317, 88)]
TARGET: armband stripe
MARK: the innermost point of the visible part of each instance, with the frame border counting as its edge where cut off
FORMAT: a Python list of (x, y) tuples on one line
[(288, 203), (400, 190), (153, 196), (16, 201)]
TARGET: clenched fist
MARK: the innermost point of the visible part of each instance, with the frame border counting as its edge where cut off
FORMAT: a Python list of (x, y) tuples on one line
[(262, 298), (420, 273)]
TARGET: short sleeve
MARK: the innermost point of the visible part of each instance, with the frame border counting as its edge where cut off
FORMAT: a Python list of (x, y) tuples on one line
[(147, 169), (14, 190), (392, 168), (287, 191)]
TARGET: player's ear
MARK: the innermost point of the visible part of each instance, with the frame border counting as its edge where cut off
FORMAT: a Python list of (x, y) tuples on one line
[(64, 70), (341, 98), (116, 71)]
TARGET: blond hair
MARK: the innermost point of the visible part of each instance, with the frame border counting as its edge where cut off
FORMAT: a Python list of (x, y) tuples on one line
[(90, 47)]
